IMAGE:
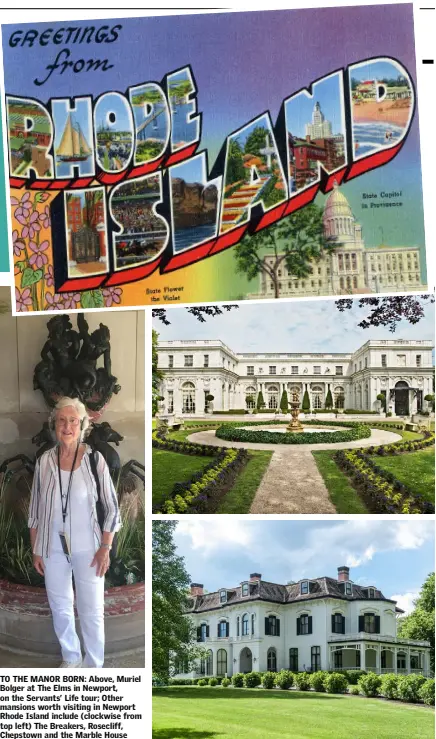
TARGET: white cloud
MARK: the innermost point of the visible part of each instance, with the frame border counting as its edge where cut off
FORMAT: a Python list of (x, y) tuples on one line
[(405, 601), (209, 536)]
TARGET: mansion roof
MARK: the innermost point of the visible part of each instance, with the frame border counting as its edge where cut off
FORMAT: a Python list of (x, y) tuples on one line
[(261, 590)]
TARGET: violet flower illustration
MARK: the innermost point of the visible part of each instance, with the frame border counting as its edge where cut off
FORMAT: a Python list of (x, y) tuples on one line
[(49, 276), (32, 227), (112, 295), (24, 209), (38, 257), (72, 300), (23, 299), (44, 217), (18, 243), (55, 302)]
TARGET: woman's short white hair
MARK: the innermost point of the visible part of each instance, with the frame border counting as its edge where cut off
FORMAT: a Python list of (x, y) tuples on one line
[(78, 406)]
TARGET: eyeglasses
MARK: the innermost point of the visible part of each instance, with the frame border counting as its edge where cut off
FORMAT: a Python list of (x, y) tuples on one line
[(74, 421)]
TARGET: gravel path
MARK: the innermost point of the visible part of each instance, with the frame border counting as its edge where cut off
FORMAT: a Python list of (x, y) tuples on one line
[(292, 483)]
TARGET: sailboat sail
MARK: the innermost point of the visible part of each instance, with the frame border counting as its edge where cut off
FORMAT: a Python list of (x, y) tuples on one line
[(73, 145)]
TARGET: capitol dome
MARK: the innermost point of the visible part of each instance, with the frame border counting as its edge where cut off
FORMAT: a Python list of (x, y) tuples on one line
[(338, 219), (337, 204)]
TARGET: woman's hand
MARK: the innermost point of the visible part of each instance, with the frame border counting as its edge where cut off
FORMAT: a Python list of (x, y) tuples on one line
[(38, 564), (101, 561)]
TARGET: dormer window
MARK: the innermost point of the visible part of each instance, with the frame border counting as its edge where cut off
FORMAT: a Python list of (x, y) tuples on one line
[(223, 596), (371, 593), (348, 588), (245, 589), (304, 587)]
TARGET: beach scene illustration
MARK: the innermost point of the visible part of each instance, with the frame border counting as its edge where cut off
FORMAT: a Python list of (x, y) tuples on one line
[(143, 234), (382, 105)]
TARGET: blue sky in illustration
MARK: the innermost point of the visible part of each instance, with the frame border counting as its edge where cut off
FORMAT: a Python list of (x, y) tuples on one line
[(303, 326), (299, 110), (394, 555)]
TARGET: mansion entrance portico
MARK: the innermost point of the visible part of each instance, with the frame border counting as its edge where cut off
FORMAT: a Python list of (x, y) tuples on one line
[(379, 654)]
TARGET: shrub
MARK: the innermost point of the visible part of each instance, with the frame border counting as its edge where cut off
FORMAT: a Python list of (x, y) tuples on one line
[(389, 686), (409, 687), (252, 679), (268, 680), (353, 690), (336, 683), (225, 682), (213, 682), (316, 680), (369, 684), (284, 679), (353, 676), (260, 401), (302, 681), (202, 683), (329, 400), (426, 692), (306, 402), (238, 680), (284, 405)]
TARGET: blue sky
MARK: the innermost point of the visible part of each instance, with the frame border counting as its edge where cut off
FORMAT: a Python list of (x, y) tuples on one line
[(394, 555), (313, 326), (299, 110)]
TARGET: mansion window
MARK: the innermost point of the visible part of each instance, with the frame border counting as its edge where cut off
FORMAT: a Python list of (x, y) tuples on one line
[(223, 629), (238, 626), (245, 589), (418, 360), (221, 662), (293, 659), (315, 654), (317, 370), (304, 624), (250, 397), (339, 397), (371, 593), (181, 665), (206, 360), (273, 369), (338, 623), (189, 360), (272, 626), (294, 370), (170, 401), (209, 663), (170, 361), (273, 397), (245, 625), (339, 370), (348, 588), (272, 660), (304, 587), (369, 623), (223, 596), (401, 661), (202, 632), (250, 370), (337, 659), (317, 397), (384, 360), (188, 397), (252, 623)]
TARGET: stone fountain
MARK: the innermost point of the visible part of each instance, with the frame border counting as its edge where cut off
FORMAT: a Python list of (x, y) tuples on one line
[(294, 426)]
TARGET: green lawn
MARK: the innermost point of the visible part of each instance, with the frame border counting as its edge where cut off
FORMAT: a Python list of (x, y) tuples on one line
[(240, 497), (341, 492), (218, 713), (171, 467), (415, 469)]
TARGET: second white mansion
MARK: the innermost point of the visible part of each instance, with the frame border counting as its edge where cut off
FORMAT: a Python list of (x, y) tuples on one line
[(400, 369)]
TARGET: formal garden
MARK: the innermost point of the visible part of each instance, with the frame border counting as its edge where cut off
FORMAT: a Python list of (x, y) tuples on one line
[(351, 466), (322, 705)]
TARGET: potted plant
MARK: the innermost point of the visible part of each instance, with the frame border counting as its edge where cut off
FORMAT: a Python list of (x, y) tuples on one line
[(249, 401), (209, 404), (429, 398)]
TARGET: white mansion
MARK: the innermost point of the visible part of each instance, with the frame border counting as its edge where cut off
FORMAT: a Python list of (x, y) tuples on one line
[(351, 268), (319, 624), (400, 369)]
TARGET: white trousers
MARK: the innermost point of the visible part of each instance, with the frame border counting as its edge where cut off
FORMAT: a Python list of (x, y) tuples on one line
[(89, 601)]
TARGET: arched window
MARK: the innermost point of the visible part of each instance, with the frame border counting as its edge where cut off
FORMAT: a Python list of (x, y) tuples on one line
[(250, 397), (339, 397), (317, 396), (188, 397), (209, 663), (221, 664), (252, 623), (272, 660), (245, 625), (273, 397)]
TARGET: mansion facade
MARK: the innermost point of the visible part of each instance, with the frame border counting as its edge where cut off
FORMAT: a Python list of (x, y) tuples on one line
[(321, 624), (401, 370), (351, 268)]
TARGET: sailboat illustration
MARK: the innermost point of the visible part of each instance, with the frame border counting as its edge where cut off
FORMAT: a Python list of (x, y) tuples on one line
[(73, 146)]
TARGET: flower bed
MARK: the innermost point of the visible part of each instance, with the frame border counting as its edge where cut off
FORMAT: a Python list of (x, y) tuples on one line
[(160, 441), (380, 490), (230, 432), (401, 447), (203, 492)]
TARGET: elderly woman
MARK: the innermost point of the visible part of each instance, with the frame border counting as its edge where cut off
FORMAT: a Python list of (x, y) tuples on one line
[(66, 536)]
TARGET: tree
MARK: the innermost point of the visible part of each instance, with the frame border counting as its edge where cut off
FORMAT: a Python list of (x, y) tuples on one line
[(200, 312), (389, 311), (256, 140), (294, 242), (235, 170), (284, 405), (156, 374), (420, 624), (329, 400), (306, 402), (172, 631), (260, 401)]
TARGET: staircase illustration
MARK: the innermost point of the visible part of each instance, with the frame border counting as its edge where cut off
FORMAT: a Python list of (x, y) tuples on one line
[(235, 205)]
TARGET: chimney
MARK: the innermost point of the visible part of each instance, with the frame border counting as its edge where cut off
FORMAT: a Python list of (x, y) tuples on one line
[(196, 589), (255, 576), (343, 574)]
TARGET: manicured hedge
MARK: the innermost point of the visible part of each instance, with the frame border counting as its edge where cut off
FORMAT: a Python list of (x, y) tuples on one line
[(231, 433), (358, 412), (380, 490), (162, 440)]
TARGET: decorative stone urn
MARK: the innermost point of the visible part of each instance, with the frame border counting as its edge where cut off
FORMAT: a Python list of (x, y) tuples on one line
[(295, 427)]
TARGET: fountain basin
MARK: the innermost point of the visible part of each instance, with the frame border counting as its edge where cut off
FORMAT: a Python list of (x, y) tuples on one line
[(283, 429)]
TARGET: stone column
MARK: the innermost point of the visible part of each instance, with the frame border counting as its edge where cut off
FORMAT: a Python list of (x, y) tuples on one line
[(199, 401), (363, 656), (177, 400), (378, 659)]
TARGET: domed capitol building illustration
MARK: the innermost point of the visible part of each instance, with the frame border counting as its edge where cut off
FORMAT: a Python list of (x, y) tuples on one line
[(351, 268)]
